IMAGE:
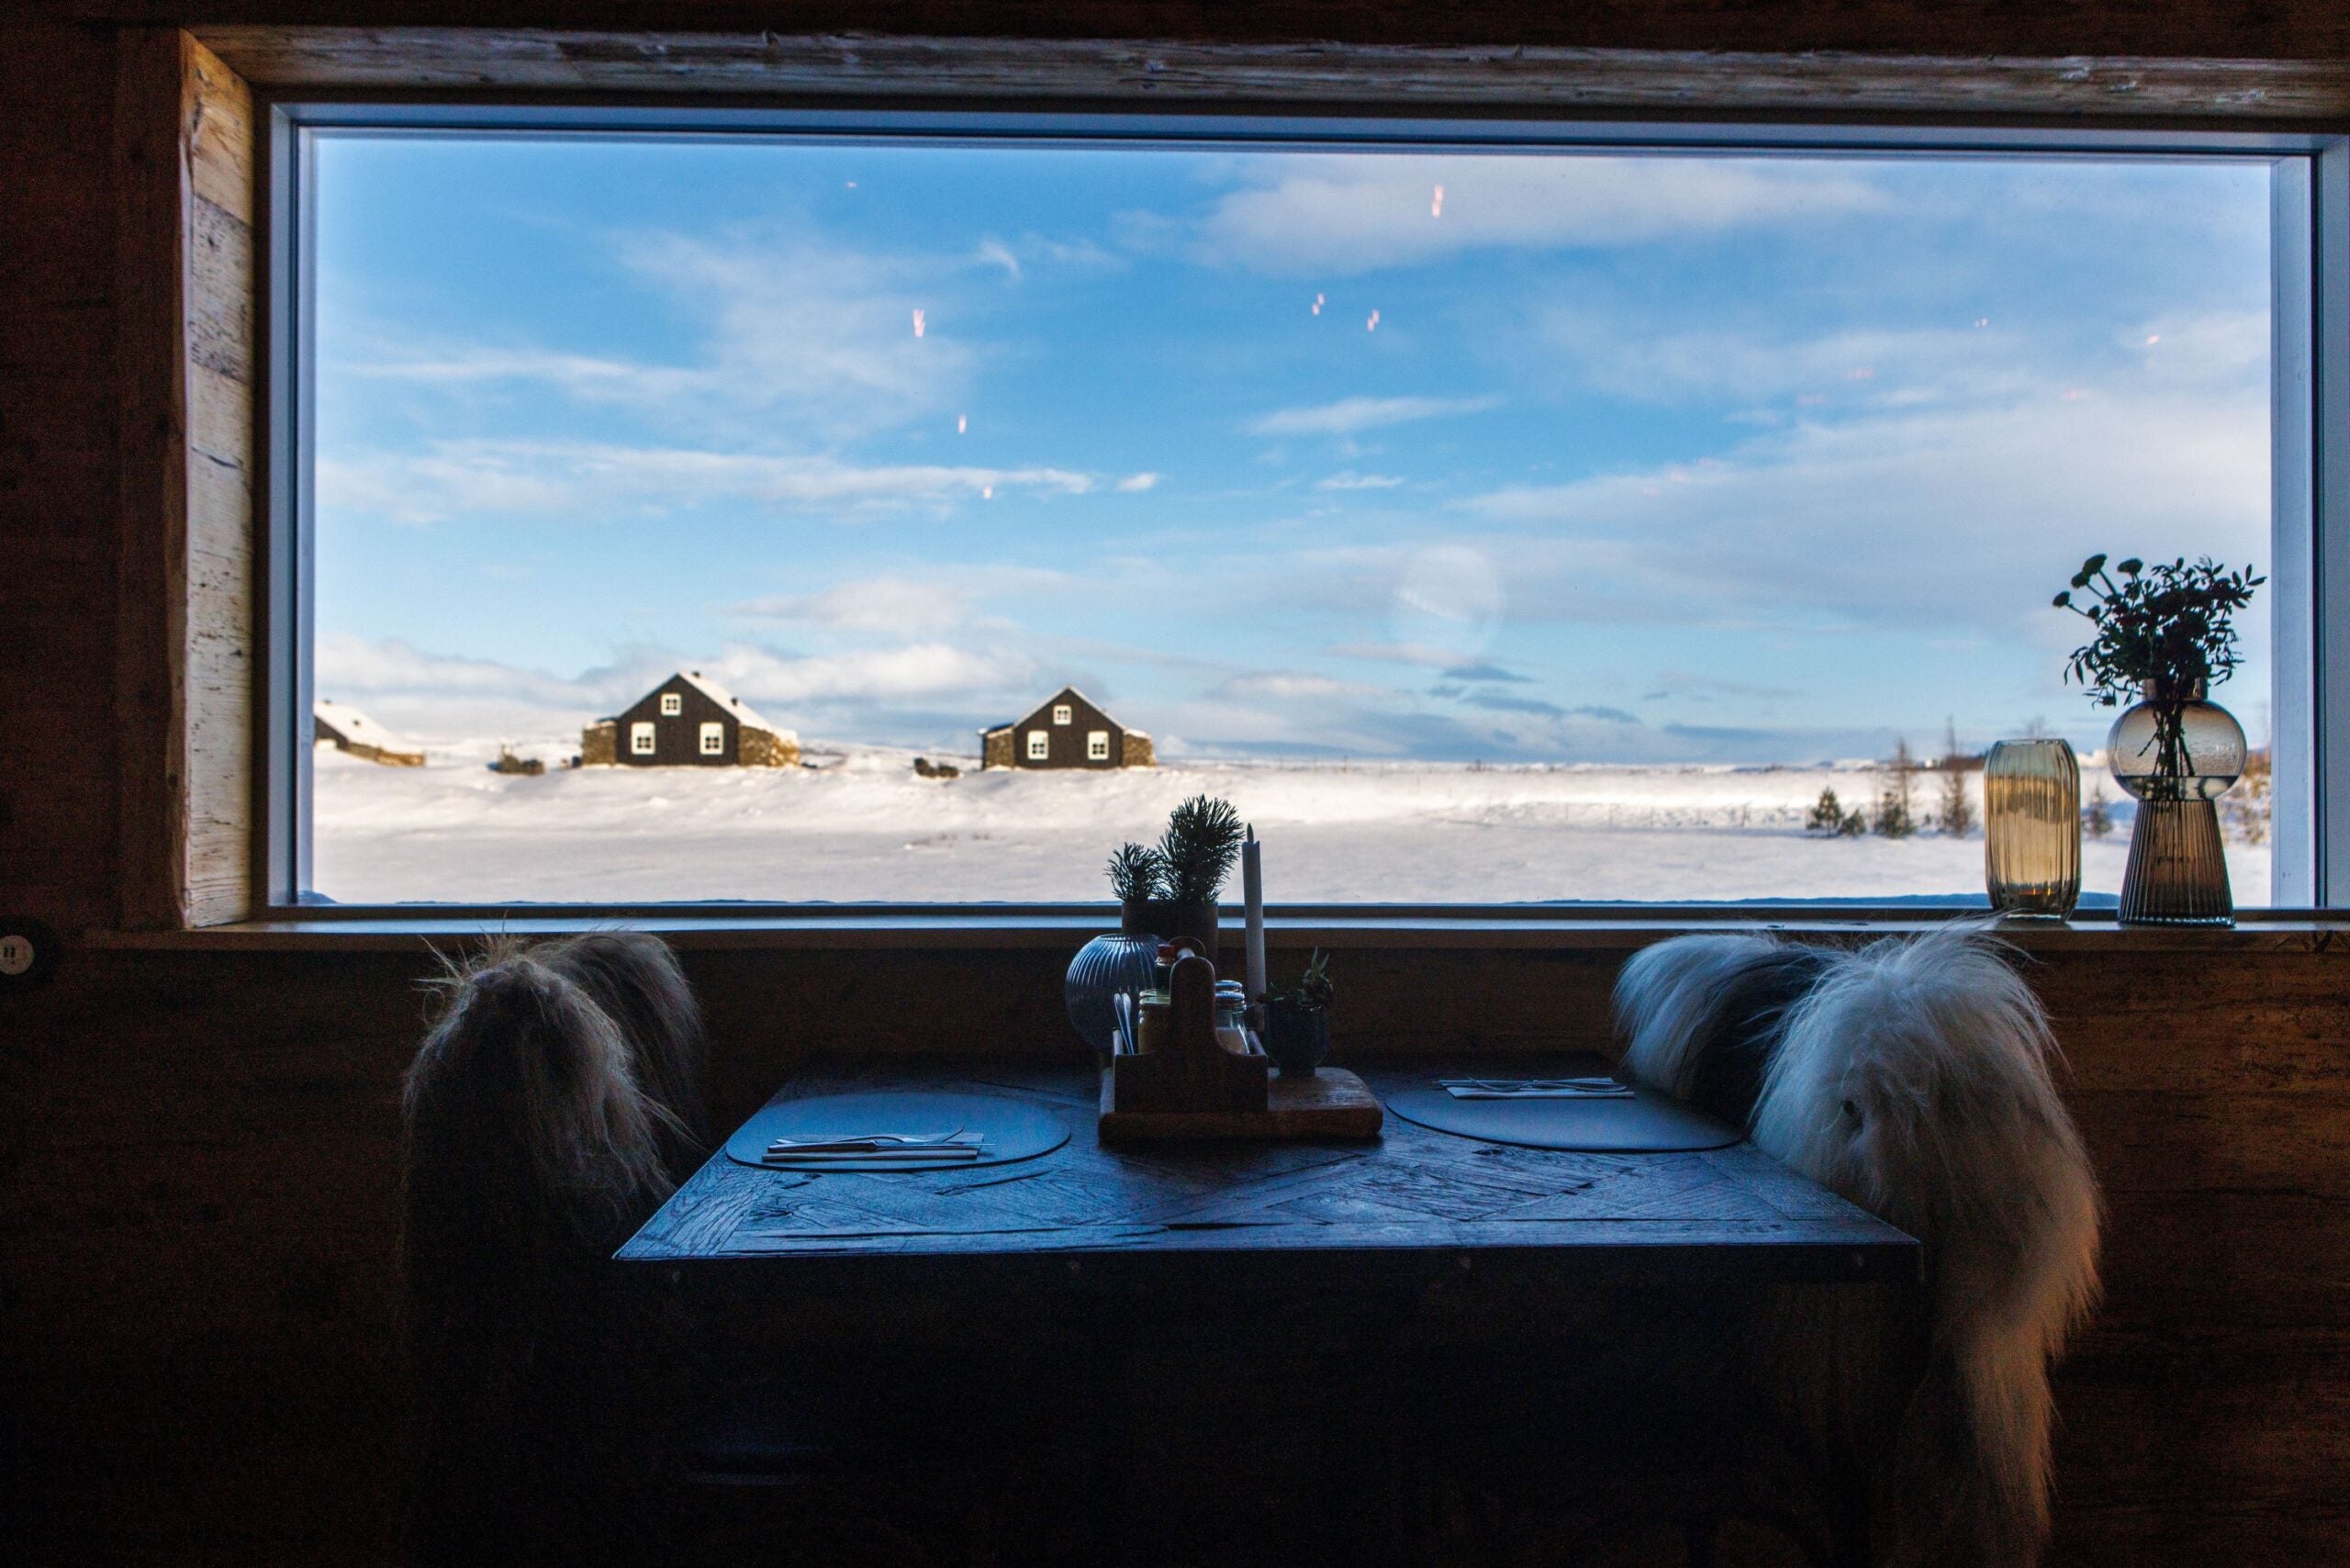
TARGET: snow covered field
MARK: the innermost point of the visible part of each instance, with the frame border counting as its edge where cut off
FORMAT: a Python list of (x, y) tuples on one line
[(864, 827)]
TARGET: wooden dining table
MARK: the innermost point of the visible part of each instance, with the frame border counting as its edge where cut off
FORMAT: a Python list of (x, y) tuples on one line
[(1398, 1319)]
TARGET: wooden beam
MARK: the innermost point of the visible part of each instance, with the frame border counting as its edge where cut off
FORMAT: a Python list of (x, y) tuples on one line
[(185, 273), (1454, 79), (2299, 29)]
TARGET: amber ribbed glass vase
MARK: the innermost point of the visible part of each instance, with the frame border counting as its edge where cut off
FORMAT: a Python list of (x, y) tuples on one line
[(2031, 828)]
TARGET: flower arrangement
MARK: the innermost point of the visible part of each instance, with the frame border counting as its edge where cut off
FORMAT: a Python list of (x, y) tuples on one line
[(2172, 625)]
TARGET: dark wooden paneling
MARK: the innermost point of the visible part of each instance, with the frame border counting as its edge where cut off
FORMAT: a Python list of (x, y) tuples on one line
[(2221, 29), (199, 1154), (1716, 75), (58, 472)]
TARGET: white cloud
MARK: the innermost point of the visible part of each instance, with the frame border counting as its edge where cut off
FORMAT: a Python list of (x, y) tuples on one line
[(1423, 654), (1348, 416), (348, 668), (1351, 481), (920, 670), (1309, 215), (901, 605), (1292, 686), (1954, 516), (433, 691), (459, 478), (869, 604), (1603, 352), (789, 327), (996, 253), (1134, 484)]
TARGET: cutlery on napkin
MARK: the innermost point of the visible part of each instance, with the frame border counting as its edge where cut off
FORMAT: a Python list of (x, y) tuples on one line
[(1536, 1087), (957, 1145)]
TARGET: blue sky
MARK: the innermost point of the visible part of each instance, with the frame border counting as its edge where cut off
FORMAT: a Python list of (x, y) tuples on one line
[(1585, 459)]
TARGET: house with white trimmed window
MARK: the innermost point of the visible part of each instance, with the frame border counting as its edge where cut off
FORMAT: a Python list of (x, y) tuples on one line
[(689, 721), (1067, 730)]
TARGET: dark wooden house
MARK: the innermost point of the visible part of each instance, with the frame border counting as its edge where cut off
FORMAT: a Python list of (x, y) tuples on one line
[(1068, 729), (689, 721)]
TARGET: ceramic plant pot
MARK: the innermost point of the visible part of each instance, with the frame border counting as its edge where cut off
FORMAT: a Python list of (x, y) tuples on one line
[(1297, 1038), (1166, 920)]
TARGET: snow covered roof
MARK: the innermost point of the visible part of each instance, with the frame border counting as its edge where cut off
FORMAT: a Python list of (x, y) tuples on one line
[(1065, 691), (355, 727), (734, 704)]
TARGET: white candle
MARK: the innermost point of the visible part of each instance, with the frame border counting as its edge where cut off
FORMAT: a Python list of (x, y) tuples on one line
[(1252, 888)]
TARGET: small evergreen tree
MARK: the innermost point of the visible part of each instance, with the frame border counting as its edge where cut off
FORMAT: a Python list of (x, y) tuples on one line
[(1853, 825), (1893, 802), (2098, 817), (1827, 815), (1957, 814)]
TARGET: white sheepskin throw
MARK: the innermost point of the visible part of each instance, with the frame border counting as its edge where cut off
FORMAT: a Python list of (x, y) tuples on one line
[(1912, 1076)]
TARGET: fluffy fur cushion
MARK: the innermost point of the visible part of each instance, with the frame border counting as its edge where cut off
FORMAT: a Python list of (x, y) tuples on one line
[(1912, 1076), (535, 1142)]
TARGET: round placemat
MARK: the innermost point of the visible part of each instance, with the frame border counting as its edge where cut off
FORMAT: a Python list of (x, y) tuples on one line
[(1648, 1122), (1014, 1129)]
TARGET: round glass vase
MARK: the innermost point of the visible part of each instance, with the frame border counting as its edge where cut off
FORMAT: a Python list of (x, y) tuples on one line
[(2176, 752), (2031, 829)]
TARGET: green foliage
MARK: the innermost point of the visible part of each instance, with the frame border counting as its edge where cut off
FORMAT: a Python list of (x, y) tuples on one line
[(1956, 817), (1827, 815), (2098, 816), (1137, 873), (1894, 818), (2174, 622), (1853, 825), (1202, 841), (1314, 991)]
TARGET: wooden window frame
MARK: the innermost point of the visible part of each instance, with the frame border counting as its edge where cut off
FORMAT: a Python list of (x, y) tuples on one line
[(203, 124)]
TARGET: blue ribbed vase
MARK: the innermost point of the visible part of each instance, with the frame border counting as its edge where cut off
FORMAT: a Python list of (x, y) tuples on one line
[(1103, 968)]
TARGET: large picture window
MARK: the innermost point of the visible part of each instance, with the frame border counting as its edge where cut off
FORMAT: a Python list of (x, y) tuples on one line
[(1491, 524)]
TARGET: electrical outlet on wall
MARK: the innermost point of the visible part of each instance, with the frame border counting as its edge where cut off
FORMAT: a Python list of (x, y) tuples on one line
[(28, 953)]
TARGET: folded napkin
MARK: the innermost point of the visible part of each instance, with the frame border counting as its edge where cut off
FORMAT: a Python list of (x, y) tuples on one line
[(859, 1147), (1534, 1088)]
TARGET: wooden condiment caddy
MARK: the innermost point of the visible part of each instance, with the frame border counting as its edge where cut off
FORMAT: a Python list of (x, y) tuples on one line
[(1193, 1086)]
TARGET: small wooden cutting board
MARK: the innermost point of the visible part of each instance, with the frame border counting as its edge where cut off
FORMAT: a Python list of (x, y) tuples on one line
[(1333, 1103)]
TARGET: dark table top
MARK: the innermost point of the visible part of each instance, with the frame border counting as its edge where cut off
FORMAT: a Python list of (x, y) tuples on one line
[(1412, 1201)]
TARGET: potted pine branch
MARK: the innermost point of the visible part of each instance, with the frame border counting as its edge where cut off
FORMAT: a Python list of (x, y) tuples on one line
[(1168, 889)]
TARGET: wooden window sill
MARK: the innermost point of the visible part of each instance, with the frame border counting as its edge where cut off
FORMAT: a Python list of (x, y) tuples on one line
[(703, 927)]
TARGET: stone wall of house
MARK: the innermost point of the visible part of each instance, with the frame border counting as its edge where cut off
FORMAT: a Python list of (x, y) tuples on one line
[(765, 748), (388, 758), (599, 744), (1137, 752), (995, 749)]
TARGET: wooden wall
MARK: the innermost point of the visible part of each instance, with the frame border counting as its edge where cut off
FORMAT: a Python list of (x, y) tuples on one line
[(196, 1150)]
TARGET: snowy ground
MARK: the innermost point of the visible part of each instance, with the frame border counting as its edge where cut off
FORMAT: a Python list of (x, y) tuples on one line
[(865, 827)]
